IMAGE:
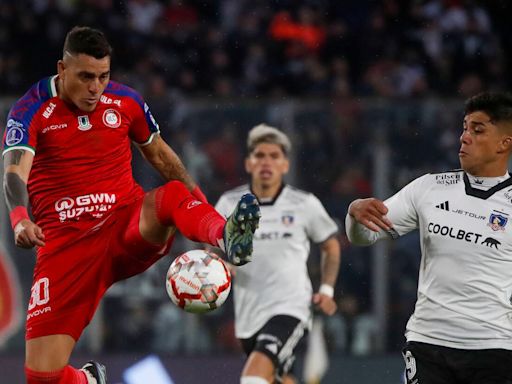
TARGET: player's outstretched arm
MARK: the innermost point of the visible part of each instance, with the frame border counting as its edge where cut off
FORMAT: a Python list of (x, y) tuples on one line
[(163, 158), (371, 213), (331, 257), (366, 221), (17, 165)]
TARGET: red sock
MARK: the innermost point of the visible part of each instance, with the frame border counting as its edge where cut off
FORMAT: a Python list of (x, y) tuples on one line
[(67, 375), (197, 221)]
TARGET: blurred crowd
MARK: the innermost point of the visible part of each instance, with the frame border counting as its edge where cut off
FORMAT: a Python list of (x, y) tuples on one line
[(259, 48), (346, 79)]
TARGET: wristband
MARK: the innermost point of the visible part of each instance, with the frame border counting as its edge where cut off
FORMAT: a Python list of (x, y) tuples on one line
[(199, 195), (327, 290), (17, 214)]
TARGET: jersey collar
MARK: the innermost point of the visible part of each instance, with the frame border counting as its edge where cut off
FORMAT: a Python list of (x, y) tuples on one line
[(482, 194), (52, 86), (273, 200)]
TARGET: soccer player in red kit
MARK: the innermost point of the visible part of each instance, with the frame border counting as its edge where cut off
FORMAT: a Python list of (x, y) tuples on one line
[(67, 154)]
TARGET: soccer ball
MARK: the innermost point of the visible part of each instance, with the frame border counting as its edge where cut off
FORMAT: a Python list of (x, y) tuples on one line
[(198, 281)]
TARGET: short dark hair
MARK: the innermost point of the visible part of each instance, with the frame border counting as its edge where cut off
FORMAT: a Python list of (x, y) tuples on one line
[(497, 105), (86, 40)]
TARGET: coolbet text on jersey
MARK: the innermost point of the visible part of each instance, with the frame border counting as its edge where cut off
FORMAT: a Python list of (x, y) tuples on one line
[(465, 285)]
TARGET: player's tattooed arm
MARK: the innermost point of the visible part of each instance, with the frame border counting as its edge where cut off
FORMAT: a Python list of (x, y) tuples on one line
[(17, 165), (162, 157)]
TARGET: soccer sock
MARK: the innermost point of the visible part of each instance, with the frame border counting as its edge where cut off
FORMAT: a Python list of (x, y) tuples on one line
[(253, 380), (67, 375), (196, 220)]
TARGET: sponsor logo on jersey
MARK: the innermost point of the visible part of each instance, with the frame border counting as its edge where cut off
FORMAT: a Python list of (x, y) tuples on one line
[(469, 214), (275, 235), (112, 118), (491, 243), (287, 219), (444, 206), (49, 110), (107, 100), (95, 204), (83, 123), (14, 133), (54, 127), (461, 234), (458, 234), (498, 221), (448, 178)]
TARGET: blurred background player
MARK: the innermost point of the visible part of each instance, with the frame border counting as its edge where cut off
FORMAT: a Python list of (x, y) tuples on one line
[(67, 151), (461, 328), (273, 295)]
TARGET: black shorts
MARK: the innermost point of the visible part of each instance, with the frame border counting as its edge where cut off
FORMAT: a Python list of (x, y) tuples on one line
[(433, 364), (279, 339)]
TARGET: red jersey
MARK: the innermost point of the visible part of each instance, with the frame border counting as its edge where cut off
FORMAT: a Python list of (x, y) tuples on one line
[(82, 163)]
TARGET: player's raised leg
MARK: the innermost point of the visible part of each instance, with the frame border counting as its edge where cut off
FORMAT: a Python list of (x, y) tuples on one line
[(240, 228), (173, 206)]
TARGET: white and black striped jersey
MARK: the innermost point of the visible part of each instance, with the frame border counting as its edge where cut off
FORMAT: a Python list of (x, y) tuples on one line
[(465, 277), (276, 282)]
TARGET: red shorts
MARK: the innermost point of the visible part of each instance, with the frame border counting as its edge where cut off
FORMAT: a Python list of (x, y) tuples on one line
[(71, 277)]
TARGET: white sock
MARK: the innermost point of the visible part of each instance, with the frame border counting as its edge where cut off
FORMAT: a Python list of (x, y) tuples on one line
[(253, 380)]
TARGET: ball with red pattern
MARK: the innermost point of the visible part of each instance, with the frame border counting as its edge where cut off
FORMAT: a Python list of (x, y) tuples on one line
[(198, 281)]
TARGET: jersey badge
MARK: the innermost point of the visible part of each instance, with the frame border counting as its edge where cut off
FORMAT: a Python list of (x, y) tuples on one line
[(498, 221), (14, 134), (83, 123), (112, 118), (287, 219)]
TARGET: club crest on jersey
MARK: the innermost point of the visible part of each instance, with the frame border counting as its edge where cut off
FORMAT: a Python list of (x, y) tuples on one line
[(498, 221), (112, 118), (287, 219), (83, 123)]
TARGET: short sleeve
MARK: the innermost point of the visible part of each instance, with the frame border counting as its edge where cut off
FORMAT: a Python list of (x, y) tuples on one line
[(320, 226), (143, 127), (20, 132), (403, 206)]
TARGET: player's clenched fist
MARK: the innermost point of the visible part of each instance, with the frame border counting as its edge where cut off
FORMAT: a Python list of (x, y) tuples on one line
[(325, 303), (371, 213), (28, 234)]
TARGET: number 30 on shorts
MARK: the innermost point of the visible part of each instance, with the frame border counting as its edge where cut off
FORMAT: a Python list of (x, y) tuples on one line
[(40, 293)]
